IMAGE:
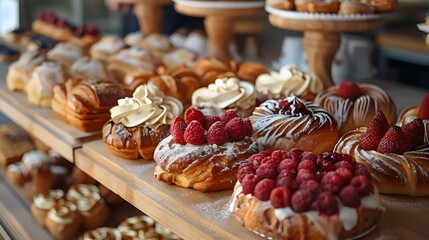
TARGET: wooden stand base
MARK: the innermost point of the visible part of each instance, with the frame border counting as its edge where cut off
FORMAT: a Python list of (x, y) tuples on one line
[(149, 14)]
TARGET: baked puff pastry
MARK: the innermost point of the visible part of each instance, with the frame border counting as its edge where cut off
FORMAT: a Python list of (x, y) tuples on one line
[(19, 73), (65, 53)]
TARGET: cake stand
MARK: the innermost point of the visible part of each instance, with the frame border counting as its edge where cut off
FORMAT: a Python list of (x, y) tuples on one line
[(219, 20), (322, 34)]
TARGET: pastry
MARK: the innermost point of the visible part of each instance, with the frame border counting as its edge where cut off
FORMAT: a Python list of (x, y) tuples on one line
[(287, 82), (40, 87), (156, 43), (102, 233), (63, 220), (7, 54), (14, 143), (106, 47), (19, 72), (381, 6), (43, 202), (139, 123), (354, 105), (204, 152), (45, 177), (298, 195), (85, 36), (65, 53), (317, 6), (93, 210), (132, 39), (138, 227), (45, 23), (291, 122), (196, 41), (411, 113), (178, 57), (397, 157), (355, 7), (20, 172), (249, 71), (63, 31), (86, 67), (178, 38), (224, 94), (80, 191), (15, 36), (37, 42), (285, 4)]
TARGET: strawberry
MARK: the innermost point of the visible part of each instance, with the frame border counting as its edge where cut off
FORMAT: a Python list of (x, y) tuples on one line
[(217, 134), (376, 130), (394, 141), (194, 114), (177, 130), (424, 108), (210, 120), (228, 115), (235, 129), (195, 133), (415, 131), (349, 89)]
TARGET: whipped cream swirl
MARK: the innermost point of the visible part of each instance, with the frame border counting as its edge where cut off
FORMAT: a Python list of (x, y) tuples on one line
[(47, 200), (148, 106), (288, 81), (226, 93), (64, 213)]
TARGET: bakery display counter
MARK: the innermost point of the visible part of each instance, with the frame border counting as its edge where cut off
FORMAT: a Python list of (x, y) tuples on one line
[(41, 123)]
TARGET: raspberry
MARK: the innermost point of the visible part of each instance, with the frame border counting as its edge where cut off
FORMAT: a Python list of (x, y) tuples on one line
[(228, 115), (248, 128), (348, 158), (267, 171), (195, 133), (287, 182), (319, 175), (270, 160), (304, 175), (326, 203), (349, 196), (177, 130), (192, 114), (307, 164), (249, 182), (328, 166), (263, 189), (301, 201), (332, 181), (361, 170), (243, 170), (217, 134), (319, 161), (344, 164), (311, 186), (235, 129), (280, 197), (288, 164), (288, 173), (210, 120), (363, 185), (296, 151), (278, 154), (345, 173), (308, 156)]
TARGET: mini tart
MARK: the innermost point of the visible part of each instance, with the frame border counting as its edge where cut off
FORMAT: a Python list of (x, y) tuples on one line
[(293, 195), (103, 233), (63, 220), (43, 202), (358, 113), (406, 173), (312, 130)]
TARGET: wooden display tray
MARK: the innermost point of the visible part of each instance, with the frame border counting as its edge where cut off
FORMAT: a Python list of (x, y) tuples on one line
[(42, 123)]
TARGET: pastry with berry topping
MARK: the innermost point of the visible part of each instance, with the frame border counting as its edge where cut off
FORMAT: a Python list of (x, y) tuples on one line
[(291, 122), (397, 157), (411, 113), (139, 123), (354, 105), (45, 23), (85, 36), (298, 195), (204, 152)]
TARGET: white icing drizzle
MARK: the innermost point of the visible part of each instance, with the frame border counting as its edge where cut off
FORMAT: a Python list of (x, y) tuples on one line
[(82, 191), (103, 233), (47, 201), (136, 57), (64, 213)]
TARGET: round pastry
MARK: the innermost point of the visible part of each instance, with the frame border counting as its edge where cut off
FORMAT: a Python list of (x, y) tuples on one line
[(63, 220), (354, 105), (86, 67), (40, 87), (285, 124), (298, 195), (156, 43), (65, 53), (224, 94), (381, 5), (103, 233), (317, 6), (19, 72), (106, 47), (80, 191), (397, 157), (355, 7), (43, 202), (139, 123), (287, 82), (45, 177), (204, 152), (136, 227), (411, 113), (93, 210)]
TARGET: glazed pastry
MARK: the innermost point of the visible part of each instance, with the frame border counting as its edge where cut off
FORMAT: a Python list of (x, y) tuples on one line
[(85, 36), (20, 172), (19, 72), (14, 143), (298, 195), (81, 191), (287, 82), (63, 220), (93, 210), (411, 113), (65, 53), (103, 233), (397, 157), (7, 54), (355, 7), (86, 67), (205, 160), (139, 123), (40, 87), (381, 5), (129, 60), (138, 227), (106, 47), (317, 6), (43, 202), (354, 105), (179, 57), (285, 124), (224, 94)]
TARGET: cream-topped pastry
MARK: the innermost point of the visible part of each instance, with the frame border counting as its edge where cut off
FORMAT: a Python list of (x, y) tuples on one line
[(103, 233), (289, 81), (80, 191), (86, 67), (289, 123), (63, 220), (132, 226), (48, 200), (179, 57), (226, 93), (93, 210), (148, 106)]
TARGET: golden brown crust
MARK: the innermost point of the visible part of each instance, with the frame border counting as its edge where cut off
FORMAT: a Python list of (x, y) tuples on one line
[(14, 143), (249, 71), (315, 6), (355, 7)]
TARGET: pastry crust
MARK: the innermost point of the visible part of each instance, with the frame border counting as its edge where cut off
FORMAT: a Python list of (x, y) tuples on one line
[(317, 6), (14, 143), (63, 221)]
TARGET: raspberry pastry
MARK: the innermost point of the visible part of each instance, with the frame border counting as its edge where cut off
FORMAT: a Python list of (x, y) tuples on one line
[(204, 152), (298, 195), (289, 123), (43, 202), (85, 36), (397, 157), (139, 123), (411, 113), (354, 105), (63, 220)]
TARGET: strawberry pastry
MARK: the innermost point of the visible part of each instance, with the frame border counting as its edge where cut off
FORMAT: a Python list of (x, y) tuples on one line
[(397, 157), (354, 105), (298, 195), (204, 152), (288, 123), (414, 112)]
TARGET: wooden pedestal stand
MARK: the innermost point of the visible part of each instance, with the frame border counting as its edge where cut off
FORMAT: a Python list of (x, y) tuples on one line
[(149, 14), (219, 23), (322, 38)]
